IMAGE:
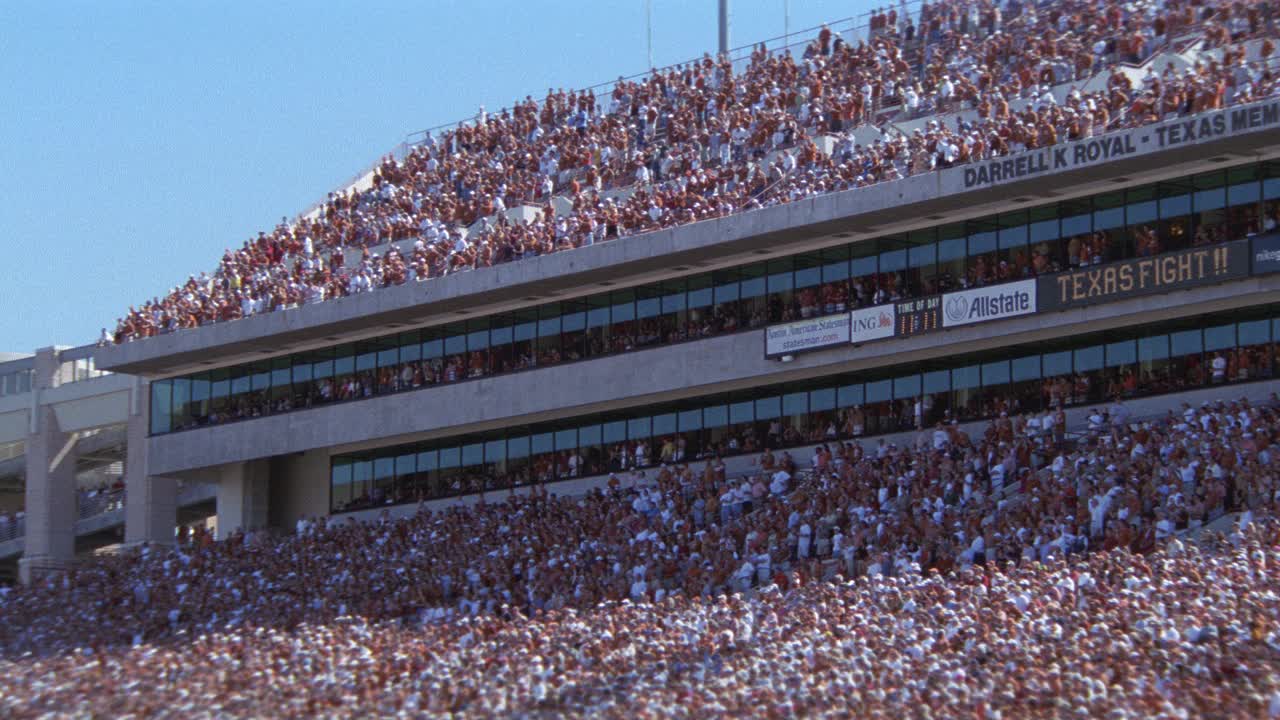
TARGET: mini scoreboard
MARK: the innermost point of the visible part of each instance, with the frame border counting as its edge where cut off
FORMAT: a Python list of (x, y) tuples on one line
[(919, 316)]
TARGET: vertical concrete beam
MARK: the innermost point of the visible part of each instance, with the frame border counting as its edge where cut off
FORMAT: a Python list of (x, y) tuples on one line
[(242, 497), (299, 488), (150, 503), (50, 481)]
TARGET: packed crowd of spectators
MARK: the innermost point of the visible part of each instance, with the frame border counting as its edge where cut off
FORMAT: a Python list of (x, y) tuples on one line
[(707, 139), (1012, 571), (1185, 632)]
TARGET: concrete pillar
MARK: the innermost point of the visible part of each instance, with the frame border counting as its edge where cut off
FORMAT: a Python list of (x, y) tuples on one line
[(50, 480), (150, 503), (299, 488), (242, 497)]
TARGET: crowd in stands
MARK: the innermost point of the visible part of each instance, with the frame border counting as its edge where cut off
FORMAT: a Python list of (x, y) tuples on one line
[(1018, 571), (706, 139)]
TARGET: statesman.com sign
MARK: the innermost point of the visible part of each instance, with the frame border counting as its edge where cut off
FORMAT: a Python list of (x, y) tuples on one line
[(806, 335), (996, 302)]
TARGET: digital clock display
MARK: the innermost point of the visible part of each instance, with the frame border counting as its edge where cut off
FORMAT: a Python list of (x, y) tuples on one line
[(919, 316)]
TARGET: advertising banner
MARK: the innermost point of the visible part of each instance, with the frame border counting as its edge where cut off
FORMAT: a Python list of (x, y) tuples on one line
[(1184, 132), (873, 323), (804, 335), (995, 302), (1145, 276), (1266, 254)]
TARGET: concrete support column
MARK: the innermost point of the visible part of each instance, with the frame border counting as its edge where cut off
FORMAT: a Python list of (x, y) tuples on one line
[(50, 481), (299, 488), (150, 503), (242, 497)]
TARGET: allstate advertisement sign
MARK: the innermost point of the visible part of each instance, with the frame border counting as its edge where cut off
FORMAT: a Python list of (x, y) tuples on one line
[(806, 335), (873, 323), (996, 302)]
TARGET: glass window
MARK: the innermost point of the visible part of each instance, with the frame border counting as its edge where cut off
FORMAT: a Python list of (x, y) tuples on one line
[(795, 403), (966, 377), (455, 343), (590, 436), (646, 307), (450, 457), (1013, 237), (742, 412), (923, 255), (161, 406), (850, 395), (1186, 342), (906, 388), (1244, 193), (820, 400), (1090, 358), (664, 424), (864, 266), (1153, 348), (893, 261), (937, 381), (615, 431), (690, 420), (982, 242), (715, 416), (542, 443), (518, 447), (1025, 368), (673, 303), (1256, 332), (567, 439), (1142, 212), (472, 454), (879, 391), (700, 292), (1122, 353), (624, 307), (768, 408), (808, 271), (1057, 363), (995, 373), (1220, 337)]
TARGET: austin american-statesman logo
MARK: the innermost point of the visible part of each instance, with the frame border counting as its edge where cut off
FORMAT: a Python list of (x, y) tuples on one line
[(957, 308)]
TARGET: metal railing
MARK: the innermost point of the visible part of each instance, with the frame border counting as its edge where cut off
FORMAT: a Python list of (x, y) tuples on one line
[(99, 502), (12, 527)]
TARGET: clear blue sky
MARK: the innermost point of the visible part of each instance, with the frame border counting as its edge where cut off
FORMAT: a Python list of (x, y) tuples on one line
[(138, 140)]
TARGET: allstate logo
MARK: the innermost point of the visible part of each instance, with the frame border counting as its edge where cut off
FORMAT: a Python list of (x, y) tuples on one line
[(957, 308)]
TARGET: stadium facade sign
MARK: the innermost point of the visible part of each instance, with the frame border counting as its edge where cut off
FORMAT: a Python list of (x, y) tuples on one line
[(1128, 143), (873, 323), (806, 335), (1266, 254), (1145, 276), (995, 302)]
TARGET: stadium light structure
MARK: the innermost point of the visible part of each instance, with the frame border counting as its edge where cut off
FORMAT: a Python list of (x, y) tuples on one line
[(724, 26)]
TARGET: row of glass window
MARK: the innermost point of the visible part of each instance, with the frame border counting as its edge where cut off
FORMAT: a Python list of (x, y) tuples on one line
[(1209, 208), (15, 383), (1170, 357)]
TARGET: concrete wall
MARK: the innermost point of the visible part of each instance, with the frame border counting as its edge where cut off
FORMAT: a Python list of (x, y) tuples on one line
[(644, 377), (243, 496), (299, 487), (831, 219)]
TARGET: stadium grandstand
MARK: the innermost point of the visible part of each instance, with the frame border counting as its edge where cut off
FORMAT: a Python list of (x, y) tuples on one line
[(929, 365)]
